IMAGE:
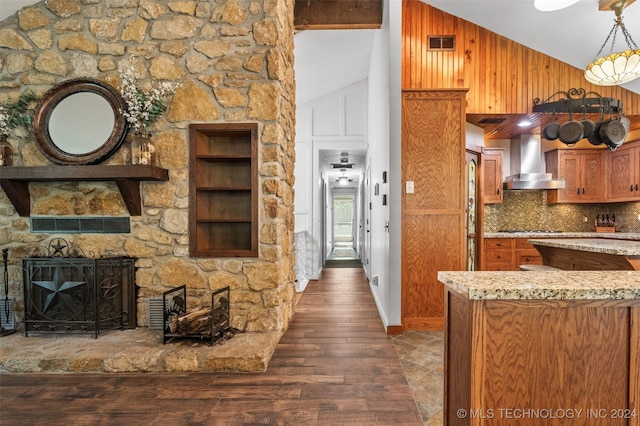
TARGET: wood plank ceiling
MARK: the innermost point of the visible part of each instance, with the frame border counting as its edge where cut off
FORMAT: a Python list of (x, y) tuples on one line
[(367, 14)]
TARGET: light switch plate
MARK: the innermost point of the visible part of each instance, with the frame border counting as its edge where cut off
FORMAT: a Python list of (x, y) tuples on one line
[(410, 187)]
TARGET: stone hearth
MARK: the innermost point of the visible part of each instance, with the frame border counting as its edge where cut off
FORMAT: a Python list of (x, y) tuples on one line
[(139, 350)]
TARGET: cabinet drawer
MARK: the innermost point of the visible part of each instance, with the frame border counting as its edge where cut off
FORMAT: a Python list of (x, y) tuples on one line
[(498, 256), (528, 259), (498, 243), (498, 266), (522, 244)]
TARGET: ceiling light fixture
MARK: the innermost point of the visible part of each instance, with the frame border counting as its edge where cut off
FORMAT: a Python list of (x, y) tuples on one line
[(615, 68), (551, 5)]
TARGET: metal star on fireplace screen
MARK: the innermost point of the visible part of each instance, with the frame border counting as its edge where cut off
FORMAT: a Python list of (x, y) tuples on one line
[(57, 287)]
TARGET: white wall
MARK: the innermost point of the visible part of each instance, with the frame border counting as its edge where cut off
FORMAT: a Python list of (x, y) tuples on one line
[(378, 160), (337, 121), (382, 97), (392, 27)]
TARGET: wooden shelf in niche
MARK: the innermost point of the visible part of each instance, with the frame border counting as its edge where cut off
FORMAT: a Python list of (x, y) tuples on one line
[(223, 179)]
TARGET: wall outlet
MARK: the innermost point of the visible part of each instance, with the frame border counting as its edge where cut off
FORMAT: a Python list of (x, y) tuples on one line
[(585, 219), (374, 280)]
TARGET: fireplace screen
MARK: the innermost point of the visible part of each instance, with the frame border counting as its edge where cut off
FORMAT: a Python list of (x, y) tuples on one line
[(65, 294)]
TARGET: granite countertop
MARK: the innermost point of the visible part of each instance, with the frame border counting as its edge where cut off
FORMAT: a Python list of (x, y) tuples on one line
[(525, 234), (595, 245), (556, 285)]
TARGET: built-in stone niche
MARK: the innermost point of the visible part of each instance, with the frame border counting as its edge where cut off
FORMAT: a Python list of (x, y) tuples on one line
[(66, 292)]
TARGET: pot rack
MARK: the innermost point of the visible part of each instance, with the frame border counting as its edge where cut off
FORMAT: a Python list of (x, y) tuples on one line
[(578, 101)]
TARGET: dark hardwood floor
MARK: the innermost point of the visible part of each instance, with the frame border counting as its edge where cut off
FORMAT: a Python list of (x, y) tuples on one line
[(334, 366)]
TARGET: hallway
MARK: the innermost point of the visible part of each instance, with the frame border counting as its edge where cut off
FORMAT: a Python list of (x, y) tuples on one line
[(334, 366)]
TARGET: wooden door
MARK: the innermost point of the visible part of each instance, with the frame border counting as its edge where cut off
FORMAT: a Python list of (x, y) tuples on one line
[(492, 174), (593, 177), (569, 169), (621, 170), (433, 201)]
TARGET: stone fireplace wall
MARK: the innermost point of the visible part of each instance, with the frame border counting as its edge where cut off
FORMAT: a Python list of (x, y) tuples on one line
[(233, 60)]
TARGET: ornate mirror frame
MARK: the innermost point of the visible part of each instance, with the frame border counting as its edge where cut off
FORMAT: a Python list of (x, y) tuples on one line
[(98, 150)]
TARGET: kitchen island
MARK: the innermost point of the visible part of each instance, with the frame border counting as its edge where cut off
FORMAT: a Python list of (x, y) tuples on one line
[(542, 348), (589, 253)]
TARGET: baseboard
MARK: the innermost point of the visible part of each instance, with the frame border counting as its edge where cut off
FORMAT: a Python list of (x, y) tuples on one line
[(395, 330)]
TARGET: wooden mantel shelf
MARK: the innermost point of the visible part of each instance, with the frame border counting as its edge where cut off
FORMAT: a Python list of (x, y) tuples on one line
[(15, 181)]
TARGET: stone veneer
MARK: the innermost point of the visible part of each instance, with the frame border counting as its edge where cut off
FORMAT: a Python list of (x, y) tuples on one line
[(234, 62)]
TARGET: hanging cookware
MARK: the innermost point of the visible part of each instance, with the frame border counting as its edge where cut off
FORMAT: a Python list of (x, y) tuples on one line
[(571, 131), (550, 131), (588, 125), (612, 133), (625, 122), (594, 137)]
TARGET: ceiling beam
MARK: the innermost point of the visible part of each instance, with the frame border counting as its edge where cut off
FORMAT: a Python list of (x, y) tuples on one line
[(337, 14), (606, 4)]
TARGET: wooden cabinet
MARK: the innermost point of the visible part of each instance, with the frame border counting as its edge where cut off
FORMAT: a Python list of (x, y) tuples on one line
[(507, 254), (506, 356), (434, 213), (623, 170), (223, 184), (492, 177), (525, 254), (583, 171), (498, 254)]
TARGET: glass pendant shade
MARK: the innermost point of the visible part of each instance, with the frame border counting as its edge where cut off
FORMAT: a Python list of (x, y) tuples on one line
[(614, 69)]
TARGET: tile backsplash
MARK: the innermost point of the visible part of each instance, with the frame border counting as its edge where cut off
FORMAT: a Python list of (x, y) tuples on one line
[(528, 210)]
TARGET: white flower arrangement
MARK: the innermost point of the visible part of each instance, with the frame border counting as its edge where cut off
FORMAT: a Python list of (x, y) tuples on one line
[(15, 114), (143, 108)]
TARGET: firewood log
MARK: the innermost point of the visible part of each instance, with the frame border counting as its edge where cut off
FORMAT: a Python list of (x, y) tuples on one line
[(195, 322)]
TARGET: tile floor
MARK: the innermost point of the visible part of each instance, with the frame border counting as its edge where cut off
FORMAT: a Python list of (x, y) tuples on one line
[(421, 355)]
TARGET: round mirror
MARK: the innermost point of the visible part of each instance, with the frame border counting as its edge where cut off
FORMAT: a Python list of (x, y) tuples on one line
[(80, 121)]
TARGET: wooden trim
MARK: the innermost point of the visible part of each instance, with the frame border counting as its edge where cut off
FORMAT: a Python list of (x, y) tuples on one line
[(395, 330), (333, 15), (605, 5), (15, 181)]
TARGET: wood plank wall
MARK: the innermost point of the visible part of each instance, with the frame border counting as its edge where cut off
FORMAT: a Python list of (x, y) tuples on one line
[(503, 77)]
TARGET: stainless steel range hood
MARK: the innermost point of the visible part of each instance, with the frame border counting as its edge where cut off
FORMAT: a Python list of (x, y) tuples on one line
[(527, 167)]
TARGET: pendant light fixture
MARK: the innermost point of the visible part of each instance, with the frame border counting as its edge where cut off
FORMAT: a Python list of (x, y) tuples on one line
[(615, 68)]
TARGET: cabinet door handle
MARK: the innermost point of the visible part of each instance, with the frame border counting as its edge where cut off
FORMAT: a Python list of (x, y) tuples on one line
[(578, 191), (582, 191), (636, 186), (631, 188), (497, 191)]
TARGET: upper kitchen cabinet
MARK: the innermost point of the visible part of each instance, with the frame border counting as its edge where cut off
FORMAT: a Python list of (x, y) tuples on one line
[(583, 172), (623, 169), (492, 175)]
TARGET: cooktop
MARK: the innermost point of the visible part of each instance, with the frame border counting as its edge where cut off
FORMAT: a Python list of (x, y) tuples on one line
[(533, 231)]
